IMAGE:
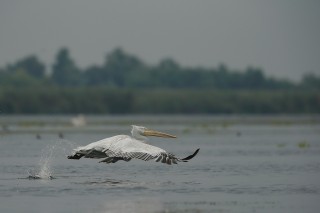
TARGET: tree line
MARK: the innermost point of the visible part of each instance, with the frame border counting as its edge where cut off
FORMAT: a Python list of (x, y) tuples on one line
[(123, 70), (126, 84)]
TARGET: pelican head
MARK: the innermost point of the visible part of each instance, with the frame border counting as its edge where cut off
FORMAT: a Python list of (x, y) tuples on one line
[(140, 132)]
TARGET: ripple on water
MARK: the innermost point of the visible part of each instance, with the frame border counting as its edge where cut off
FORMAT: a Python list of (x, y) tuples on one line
[(114, 183), (276, 189)]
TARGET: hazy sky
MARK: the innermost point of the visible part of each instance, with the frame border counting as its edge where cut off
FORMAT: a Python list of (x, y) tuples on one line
[(280, 36)]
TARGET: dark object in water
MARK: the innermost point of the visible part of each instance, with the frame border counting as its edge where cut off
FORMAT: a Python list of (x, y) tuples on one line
[(38, 136), (36, 177), (61, 135)]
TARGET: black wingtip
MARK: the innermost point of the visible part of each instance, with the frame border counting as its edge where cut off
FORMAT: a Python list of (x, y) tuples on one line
[(191, 156), (75, 156)]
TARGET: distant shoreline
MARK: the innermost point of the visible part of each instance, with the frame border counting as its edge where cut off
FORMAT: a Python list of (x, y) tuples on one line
[(160, 119)]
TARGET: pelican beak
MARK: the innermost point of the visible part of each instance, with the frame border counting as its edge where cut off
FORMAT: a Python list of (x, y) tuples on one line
[(150, 132)]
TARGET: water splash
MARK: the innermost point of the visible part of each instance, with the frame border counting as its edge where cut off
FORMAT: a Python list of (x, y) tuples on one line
[(45, 170), (45, 163)]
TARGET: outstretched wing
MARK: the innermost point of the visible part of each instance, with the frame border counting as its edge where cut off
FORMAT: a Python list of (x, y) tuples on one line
[(130, 148)]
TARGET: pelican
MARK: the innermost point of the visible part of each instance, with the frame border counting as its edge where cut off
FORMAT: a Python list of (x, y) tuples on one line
[(124, 147)]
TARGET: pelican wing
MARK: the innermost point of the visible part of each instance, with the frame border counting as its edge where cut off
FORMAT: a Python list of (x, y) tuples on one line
[(131, 148), (96, 149)]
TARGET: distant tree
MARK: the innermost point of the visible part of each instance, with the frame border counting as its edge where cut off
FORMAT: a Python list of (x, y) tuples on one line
[(26, 72), (95, 75), (119, 65), (31, 65), (254, 78), (3, 76), (220, 77), (169, 65), (19, 78), (166, 74), (65, 72), (310, 80)]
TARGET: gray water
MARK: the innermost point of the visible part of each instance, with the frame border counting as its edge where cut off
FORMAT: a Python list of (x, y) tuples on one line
[(245, 164)]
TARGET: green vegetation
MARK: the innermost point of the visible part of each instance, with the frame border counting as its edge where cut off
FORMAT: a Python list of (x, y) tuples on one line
[(303, 144), (125, 84), (110, 100), (281, 145)]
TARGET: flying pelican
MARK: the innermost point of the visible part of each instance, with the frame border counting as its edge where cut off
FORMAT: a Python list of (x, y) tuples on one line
[(124, 147)]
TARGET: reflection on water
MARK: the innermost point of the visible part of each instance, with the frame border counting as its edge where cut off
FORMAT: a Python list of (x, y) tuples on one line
[(138, 204), (243, 166)]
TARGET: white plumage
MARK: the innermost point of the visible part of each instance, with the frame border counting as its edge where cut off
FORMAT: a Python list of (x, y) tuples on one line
[(124, 147)]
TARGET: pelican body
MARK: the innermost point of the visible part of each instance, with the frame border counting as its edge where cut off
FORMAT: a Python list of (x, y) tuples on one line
[(124, 147)]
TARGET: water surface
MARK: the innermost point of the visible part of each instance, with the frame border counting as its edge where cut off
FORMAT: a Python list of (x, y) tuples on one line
[(246, 164)]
